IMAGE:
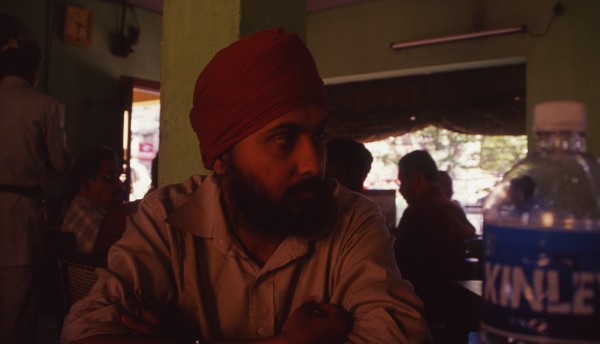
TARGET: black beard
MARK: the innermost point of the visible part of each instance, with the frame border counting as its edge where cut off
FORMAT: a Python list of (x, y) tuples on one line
[(291, 215)]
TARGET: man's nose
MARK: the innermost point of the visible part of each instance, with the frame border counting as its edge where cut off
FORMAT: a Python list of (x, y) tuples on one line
[(118, 184), (310, 158)]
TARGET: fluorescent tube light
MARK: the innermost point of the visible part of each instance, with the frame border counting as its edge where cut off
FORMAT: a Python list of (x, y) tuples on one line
[(459, 37)]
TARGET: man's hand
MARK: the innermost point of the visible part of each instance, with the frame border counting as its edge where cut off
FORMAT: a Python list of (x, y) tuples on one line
[(317, 323), (143, 321)]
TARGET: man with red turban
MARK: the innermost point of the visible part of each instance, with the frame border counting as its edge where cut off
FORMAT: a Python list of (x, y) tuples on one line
[(264, 249)]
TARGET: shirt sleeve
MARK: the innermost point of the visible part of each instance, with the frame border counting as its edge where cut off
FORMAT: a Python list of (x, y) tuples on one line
[(384, 306), (138, 273)]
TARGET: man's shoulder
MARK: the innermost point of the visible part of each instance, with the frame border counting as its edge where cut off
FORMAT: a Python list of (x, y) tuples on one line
[(356, 210), (22, 87), (172, 196), (351, 200)]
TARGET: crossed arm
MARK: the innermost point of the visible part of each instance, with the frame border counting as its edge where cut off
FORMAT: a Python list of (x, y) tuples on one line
[(310, 323)]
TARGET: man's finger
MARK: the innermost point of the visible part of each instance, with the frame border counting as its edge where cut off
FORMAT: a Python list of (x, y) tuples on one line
[(329, 308), (150, 317), (308, 307), (138, 325)]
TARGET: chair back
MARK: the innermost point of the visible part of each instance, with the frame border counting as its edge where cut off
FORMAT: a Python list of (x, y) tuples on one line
[(77, 279)]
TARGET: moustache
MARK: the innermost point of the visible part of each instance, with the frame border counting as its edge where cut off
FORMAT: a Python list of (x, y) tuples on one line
[(314, 185)]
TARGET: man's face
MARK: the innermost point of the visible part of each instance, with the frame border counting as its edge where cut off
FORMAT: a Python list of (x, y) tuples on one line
[(406, 181), (275, 177), (105, 188)]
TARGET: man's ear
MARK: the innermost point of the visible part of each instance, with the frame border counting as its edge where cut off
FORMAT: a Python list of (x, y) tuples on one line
[(219, 167), (221, 163), (417, 178)]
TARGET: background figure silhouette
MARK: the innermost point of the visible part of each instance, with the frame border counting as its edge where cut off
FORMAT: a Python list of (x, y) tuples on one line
[(430, 236), (445, 181), (33, 152), (520, 194), (349, 162)]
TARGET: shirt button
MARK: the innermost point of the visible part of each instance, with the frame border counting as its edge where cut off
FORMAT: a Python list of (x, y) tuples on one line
[(261, 331)]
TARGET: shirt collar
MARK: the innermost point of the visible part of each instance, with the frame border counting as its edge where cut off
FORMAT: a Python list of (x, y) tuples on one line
[(202, 215), (88, 204), (433, 193)]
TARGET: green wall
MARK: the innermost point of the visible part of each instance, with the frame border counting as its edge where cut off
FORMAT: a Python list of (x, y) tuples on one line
[(351, 41), (561, 64), (193, 32), (85, 79)]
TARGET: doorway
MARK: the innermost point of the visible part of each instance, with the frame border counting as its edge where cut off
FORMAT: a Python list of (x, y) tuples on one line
[(141, 133)]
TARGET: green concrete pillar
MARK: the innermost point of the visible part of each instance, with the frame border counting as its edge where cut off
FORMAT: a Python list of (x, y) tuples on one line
[(193, 31)]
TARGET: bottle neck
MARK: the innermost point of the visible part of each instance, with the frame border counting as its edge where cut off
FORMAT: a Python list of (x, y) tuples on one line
[(573, 142)]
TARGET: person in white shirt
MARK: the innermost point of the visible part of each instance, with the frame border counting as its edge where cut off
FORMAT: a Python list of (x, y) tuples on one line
[(33, 152)]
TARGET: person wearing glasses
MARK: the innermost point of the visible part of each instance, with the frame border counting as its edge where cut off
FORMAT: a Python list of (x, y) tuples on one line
[(96, 189)]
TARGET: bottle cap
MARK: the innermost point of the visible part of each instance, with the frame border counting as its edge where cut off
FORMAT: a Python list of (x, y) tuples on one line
[(559, 116)]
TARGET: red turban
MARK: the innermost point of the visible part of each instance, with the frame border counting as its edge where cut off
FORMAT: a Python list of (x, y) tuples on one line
[(249, 84)]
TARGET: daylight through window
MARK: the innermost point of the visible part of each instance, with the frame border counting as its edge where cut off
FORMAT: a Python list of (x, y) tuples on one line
[(475, 162)]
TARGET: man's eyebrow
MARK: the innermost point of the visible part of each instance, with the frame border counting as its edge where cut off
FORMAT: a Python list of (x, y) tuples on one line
[(286, 126), (296, 127)]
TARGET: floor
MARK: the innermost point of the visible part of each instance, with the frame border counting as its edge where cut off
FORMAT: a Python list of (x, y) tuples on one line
[(46, 329), (47, 332)]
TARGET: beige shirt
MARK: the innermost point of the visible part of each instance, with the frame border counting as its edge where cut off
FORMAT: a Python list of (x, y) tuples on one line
[(178, 255), (33, 148), (33, 152)]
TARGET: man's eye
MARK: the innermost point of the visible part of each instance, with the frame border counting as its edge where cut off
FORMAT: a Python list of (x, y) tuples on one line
[(284, 140), (319, 137)]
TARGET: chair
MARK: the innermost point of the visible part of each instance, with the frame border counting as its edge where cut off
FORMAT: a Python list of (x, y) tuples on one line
[(76, 280)]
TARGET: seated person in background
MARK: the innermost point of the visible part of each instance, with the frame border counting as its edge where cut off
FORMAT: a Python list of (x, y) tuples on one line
[(112, 228), (447, 186), (520, 194), (263, 249), (430, 235), (349, 162), (95, 179)]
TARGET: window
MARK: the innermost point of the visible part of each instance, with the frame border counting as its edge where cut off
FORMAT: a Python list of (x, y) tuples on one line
[(475, 162)]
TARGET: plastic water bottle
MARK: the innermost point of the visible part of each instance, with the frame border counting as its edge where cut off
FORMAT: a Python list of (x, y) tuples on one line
[(542, 239)]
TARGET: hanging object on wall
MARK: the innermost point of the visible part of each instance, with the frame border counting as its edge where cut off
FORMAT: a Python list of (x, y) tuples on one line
[(122, 43), (78, 25)]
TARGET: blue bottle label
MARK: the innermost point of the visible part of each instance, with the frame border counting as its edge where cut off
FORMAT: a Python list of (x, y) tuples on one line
[(542, 284)]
